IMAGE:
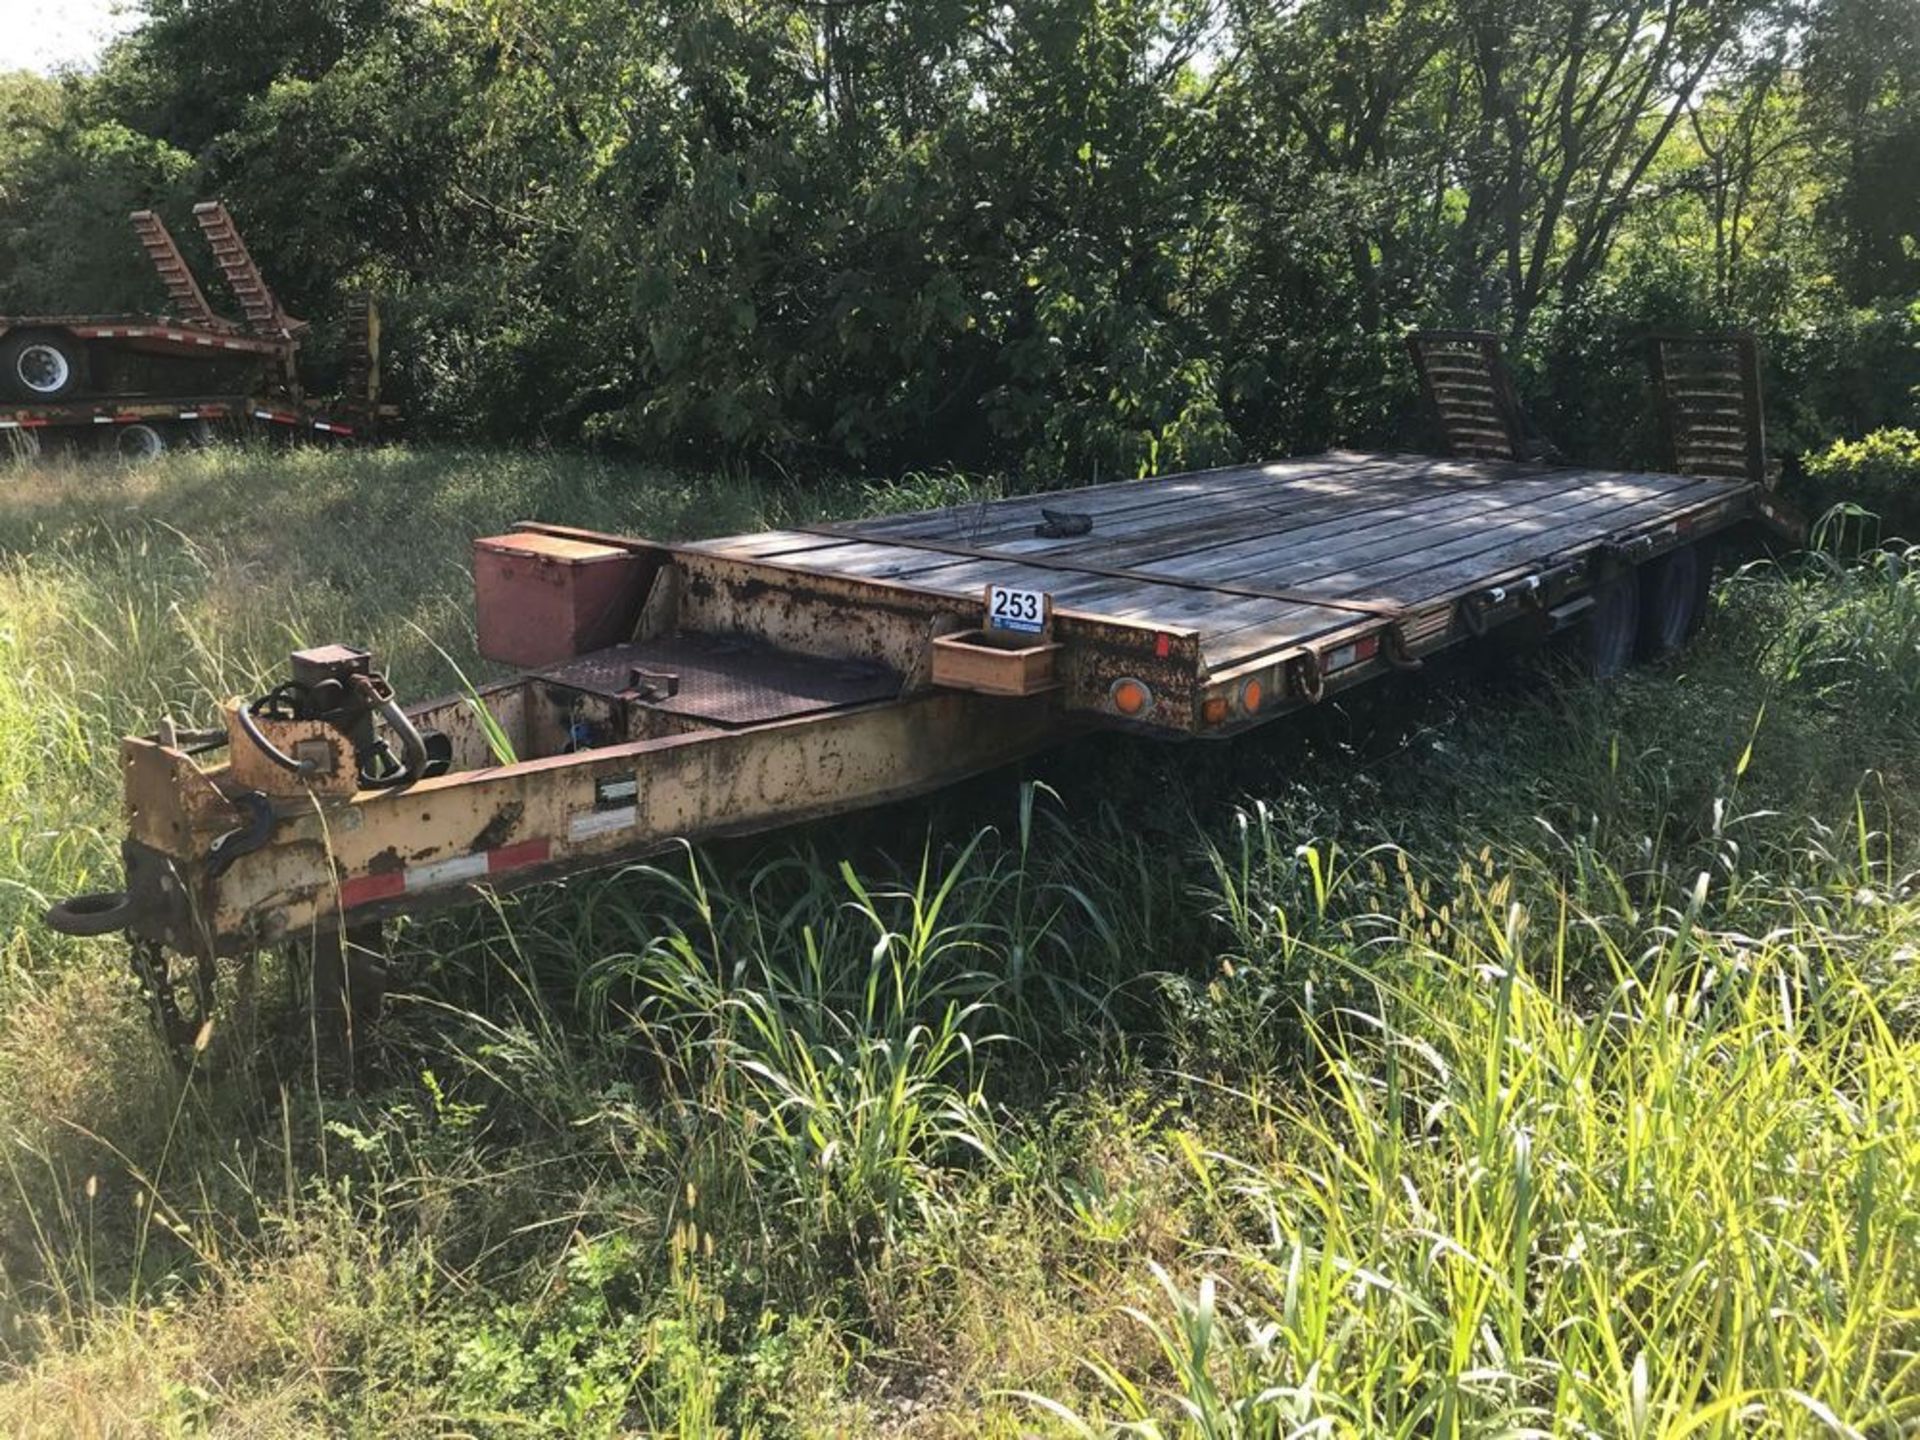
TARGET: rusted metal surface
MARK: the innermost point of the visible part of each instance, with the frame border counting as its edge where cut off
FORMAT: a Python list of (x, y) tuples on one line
[(381, 853), (1707, 397), (763, 692), (726, 680), (311, 741), (456, 717), (189, 301), (243, 277), (171, 804), (541, 598), (196, 365), (1464, 376), (894, 625)]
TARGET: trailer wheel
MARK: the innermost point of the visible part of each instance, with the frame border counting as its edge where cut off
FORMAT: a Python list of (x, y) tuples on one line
[(1673, 600), (1612, 626), (43, 365), (136, 443)]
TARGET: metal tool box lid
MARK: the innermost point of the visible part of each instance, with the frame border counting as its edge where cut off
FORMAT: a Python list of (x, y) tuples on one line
[(557, 548)]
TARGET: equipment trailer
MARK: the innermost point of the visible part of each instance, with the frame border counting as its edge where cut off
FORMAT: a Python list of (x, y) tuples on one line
[(141, 381), (695, 690)]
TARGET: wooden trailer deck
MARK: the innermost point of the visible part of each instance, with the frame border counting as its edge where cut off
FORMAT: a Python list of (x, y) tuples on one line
[(1249, 563)]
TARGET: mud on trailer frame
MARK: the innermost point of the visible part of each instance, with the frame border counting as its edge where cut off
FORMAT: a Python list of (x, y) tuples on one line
[(140, 382), (669, 691)]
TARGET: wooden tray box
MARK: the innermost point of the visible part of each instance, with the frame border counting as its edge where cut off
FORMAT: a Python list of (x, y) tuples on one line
[(975, 660)]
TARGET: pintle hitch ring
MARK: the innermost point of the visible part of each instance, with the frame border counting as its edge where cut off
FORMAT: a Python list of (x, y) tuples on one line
[(246, 838)]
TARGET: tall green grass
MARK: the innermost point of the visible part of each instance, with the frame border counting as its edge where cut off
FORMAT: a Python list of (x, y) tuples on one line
[(1526, 1057)]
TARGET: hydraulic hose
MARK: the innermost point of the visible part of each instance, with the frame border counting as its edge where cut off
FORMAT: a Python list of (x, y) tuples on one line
[(267, 748)]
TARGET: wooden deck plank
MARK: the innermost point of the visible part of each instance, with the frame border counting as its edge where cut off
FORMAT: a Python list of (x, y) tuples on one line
[(1159, 501), (1143, 504), (1109, 497), (1340, 527), (1410, 526), (939, 569), (1254, 562), (1221, 623), (1165, 506), (1240, 631), (1154, 523), (1366, 570)]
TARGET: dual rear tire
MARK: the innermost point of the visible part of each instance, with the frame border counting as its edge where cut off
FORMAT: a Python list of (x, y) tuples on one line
[(142, 440), (1647, 611)]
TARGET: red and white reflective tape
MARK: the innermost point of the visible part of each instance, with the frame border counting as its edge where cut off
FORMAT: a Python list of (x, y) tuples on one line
[(25, 422), (410, 879), (331, 428), (1365, 648), (176, 337), (278, 417)]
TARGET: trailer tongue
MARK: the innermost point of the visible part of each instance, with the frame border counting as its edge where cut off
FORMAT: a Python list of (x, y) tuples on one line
[(695, 690)]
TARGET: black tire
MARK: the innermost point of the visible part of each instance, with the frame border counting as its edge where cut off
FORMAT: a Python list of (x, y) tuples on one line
[(1673, 599), (101, 913), (1612, 625), (42, 365), (136, 443)]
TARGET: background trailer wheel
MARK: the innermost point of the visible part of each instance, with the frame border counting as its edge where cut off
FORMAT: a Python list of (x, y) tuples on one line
[(135, 443), (1673, 600), (42, 365)]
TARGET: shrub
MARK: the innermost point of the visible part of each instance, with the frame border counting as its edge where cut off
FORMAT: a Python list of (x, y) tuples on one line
[(1880, 472)]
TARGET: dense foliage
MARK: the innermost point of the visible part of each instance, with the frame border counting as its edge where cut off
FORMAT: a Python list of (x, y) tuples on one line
[(1067, 235), (1879, 472)]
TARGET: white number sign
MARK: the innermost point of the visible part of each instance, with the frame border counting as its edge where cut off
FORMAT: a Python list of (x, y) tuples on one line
[(1022, 611)]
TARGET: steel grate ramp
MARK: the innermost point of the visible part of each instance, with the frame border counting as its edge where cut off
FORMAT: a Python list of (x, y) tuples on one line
[(724, 680)]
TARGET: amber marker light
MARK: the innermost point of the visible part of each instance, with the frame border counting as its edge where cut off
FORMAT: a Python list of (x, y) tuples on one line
[(1214, 710), (1130, 697), (1251, 695)]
